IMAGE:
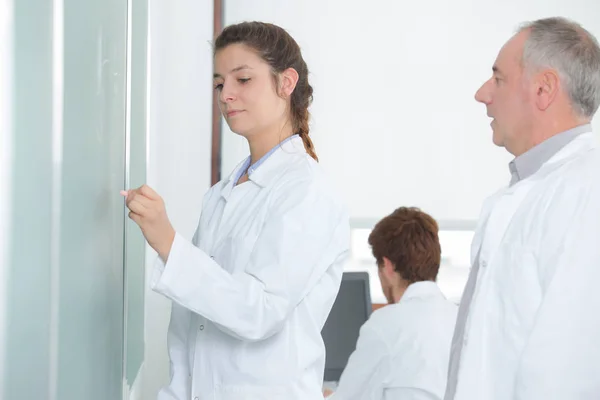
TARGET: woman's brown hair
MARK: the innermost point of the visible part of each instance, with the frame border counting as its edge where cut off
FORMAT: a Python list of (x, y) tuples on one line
[(278, 49)]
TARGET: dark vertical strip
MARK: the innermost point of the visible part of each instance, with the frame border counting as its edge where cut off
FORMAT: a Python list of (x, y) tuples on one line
[(215, 169)]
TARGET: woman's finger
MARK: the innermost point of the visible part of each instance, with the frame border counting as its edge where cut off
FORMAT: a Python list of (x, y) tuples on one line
[(149, 192), (143, 200), (135, 217), (137, 207), (131, 195), (147, 202)]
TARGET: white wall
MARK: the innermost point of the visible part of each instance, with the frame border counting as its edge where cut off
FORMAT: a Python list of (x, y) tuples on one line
[(179, 143), (394, 119)]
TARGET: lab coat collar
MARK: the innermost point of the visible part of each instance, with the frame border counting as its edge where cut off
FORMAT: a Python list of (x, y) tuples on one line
[(529, 162), (228, 183), (266, 173), (582, 143), (577, 146), (422, 289)]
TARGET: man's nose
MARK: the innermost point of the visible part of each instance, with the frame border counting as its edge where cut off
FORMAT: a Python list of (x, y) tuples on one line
[(483, 94)]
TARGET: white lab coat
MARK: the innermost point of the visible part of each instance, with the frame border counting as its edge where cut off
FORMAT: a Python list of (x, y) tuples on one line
[(403, 349), (252, 291), (533, 329)]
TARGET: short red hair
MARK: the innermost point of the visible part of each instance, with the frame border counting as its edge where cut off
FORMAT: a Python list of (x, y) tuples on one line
[(409, 239)]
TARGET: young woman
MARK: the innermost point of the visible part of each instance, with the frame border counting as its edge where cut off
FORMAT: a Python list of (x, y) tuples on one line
[(253, 289)]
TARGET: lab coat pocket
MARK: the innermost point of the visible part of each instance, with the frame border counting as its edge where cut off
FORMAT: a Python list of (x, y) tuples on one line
[(519, 290)]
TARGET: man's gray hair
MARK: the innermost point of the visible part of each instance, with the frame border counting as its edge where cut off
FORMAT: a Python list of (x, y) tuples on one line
[(573, 53)]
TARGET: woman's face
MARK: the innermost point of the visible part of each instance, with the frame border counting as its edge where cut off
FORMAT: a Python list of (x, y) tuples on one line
[(247, 91)]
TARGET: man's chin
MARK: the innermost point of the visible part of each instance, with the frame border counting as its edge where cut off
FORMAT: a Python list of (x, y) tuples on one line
[(497, 139)]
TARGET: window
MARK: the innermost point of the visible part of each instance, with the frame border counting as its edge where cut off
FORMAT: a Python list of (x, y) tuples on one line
[(454, 269)]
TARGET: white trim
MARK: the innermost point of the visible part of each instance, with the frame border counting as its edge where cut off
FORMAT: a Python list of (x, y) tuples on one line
[(57, 159), (128, 62), (148, 81), (6, 133)]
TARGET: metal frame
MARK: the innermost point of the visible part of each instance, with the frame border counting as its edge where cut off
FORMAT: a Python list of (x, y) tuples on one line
[(444, 225)]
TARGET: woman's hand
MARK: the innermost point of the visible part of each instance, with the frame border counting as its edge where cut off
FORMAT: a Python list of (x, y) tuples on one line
[(147, 209)]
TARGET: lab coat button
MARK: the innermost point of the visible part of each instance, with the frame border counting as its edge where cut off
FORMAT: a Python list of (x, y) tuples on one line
[(483, 264), (201, 327)]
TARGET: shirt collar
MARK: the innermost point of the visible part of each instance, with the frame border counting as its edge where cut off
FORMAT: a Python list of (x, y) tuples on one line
[(528, 163), (268, 163)]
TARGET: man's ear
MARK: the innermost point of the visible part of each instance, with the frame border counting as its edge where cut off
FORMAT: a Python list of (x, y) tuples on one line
[(287, 82), (388, 268), (547, 86)]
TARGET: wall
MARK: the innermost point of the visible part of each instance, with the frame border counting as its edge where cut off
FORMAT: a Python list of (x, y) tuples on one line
[(179, 143), (394, 118)]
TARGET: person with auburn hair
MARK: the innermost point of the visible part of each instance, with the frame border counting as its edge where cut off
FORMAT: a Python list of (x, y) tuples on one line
[(403, 349)]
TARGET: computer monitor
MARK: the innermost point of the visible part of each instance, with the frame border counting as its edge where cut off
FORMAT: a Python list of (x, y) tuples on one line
[(351, 309)]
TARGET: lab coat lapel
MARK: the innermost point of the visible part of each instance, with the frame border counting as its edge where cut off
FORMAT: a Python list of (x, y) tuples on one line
[(478, 236), (239, 201), (238, 204)]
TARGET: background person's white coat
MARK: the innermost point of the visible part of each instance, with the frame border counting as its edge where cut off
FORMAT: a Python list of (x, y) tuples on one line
[(403, 349)]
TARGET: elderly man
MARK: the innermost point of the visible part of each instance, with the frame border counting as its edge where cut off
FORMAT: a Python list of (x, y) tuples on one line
[(528, 326)]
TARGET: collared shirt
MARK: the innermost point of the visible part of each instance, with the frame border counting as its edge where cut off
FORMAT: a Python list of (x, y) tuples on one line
[(251, 168), (403, 349), (527, 164)]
